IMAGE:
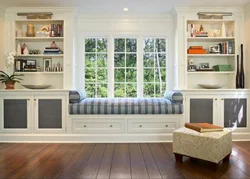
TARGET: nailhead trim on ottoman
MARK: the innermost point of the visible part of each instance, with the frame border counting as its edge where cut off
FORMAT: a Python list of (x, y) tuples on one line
[(209, 146)]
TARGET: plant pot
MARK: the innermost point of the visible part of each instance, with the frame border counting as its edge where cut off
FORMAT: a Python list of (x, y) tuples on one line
[(9, 84)]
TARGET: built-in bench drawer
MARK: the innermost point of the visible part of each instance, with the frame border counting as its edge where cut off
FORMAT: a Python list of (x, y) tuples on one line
[(98, 126), (152, 125)]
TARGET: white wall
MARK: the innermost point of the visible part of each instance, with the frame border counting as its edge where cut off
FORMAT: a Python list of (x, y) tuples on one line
[(247, 44), (2, 26), (159, 25)]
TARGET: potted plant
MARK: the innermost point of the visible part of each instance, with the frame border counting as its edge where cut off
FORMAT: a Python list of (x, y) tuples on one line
[(9, 80)]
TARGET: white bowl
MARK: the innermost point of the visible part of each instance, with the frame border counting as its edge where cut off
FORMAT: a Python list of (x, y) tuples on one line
[(36, 86), (209, 86)]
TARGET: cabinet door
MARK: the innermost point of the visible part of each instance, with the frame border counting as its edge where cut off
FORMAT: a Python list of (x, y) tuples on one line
[(201, 109), (234, 112), (50, 114), (15, 114)]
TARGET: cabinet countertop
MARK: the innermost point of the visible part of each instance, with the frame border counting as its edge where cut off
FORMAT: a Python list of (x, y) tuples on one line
[(33, 90)]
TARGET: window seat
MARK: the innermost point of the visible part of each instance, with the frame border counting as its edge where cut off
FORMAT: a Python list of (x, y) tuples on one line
[(171, 103)]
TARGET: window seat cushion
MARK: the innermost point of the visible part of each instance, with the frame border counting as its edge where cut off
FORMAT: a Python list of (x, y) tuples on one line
[(125, 106)]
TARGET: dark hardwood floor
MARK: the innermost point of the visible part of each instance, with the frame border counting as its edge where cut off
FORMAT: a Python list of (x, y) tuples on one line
[(115, 161)]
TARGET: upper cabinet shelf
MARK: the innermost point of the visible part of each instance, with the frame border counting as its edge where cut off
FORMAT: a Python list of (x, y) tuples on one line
[(209, 38), (39, 38)]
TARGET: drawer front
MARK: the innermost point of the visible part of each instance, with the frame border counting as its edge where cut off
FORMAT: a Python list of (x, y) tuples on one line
[(152, 126), (98, 126)]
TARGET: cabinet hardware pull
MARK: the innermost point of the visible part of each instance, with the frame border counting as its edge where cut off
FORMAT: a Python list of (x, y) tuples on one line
[(140, 125), (111, 126), (34, 99), (84, 126), (166, 125), (215, 98), (28, 99)]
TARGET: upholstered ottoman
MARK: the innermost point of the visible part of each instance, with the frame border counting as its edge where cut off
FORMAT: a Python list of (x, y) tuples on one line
[(209, 146)]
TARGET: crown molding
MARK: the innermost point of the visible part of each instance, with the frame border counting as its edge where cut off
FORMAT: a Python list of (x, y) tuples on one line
[(208, 9), (125, 17), (40, 9)]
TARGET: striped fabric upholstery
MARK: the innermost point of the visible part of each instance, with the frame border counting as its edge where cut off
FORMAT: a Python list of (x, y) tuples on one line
[(76, 96), (174, 96), (125, 106)]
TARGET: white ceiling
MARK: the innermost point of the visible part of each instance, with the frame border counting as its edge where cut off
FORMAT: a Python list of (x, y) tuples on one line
[(116, 6)]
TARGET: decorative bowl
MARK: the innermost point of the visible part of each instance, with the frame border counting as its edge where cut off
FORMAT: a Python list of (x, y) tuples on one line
[(36, 86), (209, 86)]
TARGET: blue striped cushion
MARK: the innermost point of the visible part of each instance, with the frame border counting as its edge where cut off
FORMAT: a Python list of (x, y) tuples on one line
[(76, 96), (125, 106), (174, 95)]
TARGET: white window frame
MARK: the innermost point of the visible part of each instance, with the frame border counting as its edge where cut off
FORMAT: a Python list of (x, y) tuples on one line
[(140, 53)]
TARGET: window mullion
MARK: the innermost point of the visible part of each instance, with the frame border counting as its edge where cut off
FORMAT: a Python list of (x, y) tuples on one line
[(140, 67), (111, 66)]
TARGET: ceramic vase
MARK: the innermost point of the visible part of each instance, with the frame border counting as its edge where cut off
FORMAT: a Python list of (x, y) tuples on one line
[(223, 30), (18, 49)]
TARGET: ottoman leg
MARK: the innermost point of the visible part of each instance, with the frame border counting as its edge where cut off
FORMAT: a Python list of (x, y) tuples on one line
[(178, 157), (226, 159)]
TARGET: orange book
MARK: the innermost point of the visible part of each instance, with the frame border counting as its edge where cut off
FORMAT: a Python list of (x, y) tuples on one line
[(196, 51), (203, 127), (195, 47)]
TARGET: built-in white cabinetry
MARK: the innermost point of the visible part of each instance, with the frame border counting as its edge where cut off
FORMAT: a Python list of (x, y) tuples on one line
[(33, 112), (210, 43), (43, 65), (227, 109)]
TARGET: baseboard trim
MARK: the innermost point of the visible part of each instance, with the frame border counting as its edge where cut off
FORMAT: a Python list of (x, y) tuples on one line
[(98, 138)]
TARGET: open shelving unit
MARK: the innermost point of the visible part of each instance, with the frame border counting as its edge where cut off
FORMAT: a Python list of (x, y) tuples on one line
[(227, 78), (39, 42)]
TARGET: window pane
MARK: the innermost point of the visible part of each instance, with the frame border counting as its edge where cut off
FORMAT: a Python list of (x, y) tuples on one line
[(160, 89), (102, 75), (119, 45), (102, 60), (160, 73), (148, 60), (131, 90), (119, 60), (162, 59), (131, 60), (148, 75), (90, 75), (119, 90), (160, 45), (102, 90), (90, 45), (131, 45), (131, 75), (90, 89), (90, 60), (149, 45), (102, 45), (148, 90), (119, 75)]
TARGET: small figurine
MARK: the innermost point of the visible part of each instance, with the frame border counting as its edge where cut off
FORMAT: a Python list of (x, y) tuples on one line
[(53, 45)]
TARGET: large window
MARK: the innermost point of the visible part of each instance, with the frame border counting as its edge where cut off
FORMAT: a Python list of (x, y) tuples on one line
[(96, 68), (128, 67), (125, 72), (154, 67)]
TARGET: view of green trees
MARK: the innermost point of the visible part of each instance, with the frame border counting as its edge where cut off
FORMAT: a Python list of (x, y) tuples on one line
[(125, 67)]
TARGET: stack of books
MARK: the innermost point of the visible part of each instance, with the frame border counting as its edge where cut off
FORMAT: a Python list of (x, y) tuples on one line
[(52, 51), (56, 30), (201, 34), (203, 127), (196, 50)]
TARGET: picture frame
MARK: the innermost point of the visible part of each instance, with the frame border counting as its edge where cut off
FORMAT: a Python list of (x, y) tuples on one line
[(47, 64), (214, 49), (204, 65)]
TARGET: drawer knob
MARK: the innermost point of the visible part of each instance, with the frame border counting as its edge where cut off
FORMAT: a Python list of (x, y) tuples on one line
[(140, 125), (166, 125), (111, 126), (85, 126)]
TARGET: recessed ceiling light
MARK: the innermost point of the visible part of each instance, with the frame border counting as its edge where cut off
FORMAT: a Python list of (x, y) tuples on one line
[(125, 9)]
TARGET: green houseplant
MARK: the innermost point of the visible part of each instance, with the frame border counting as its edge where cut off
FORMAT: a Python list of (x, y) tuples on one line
[(9, 80)]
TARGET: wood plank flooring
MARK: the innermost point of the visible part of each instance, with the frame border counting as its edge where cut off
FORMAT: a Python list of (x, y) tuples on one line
[(115, 161)]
